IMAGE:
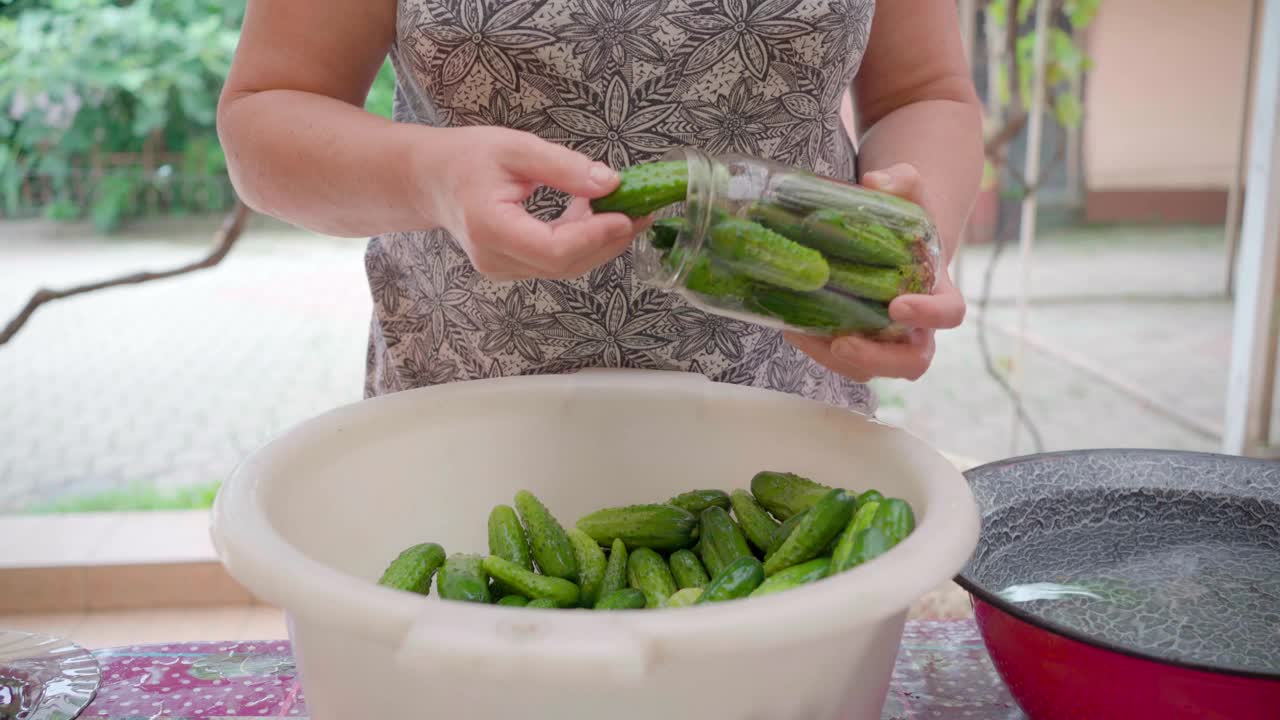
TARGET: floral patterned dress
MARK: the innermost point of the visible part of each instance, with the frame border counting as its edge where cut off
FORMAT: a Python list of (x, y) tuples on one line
[(621, 81)]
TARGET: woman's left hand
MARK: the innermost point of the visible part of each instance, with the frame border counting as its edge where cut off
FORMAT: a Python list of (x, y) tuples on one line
[(861, 359)]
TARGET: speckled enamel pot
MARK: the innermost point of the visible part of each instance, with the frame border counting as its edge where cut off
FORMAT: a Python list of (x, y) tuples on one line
[(1173, 563)]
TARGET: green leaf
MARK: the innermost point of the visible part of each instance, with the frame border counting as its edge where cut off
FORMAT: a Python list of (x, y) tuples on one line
[(1024, 9), (1081, 12), (1067, 110)]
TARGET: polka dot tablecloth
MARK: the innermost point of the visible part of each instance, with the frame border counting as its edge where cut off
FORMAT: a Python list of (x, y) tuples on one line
[(943, 673)]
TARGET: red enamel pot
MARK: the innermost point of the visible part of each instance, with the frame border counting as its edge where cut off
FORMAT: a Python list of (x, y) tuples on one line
[(1131, 584)]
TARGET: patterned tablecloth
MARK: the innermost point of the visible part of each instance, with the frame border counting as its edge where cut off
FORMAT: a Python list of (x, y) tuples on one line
[(943, 673)]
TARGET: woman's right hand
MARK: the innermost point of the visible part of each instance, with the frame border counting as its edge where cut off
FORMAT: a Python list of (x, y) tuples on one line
[(478, 196)]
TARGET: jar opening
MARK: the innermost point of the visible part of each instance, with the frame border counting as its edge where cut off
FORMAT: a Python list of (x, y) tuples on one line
[(665, 269)]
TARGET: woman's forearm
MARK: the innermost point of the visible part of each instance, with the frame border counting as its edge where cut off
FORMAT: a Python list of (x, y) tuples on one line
[(943, 140), (326, 165)]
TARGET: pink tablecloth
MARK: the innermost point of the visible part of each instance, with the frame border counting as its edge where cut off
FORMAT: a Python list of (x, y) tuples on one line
[(943, 673)]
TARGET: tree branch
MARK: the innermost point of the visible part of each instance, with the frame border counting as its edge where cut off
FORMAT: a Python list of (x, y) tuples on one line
[(226, 237)]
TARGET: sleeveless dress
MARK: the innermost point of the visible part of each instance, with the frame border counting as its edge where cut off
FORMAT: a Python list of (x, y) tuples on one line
[(621, 81)]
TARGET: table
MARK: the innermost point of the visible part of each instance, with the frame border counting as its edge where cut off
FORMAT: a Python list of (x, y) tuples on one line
[(943, 673)]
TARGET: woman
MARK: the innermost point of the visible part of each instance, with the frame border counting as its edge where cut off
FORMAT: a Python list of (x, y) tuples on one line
[(512, 114)]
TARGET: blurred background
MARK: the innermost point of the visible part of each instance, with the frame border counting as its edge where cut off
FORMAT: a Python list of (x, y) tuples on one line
[(1108, 321)]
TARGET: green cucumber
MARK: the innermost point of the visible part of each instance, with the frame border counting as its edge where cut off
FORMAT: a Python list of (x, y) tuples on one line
[(685, 597), (507, 540), (778, 219), (785, 494), (870, 496), (881, 284), (752, 250), (548, 542), (711, 278), (615, 573), (657, 526), (663, 233), (687, 569), (867, 545), (463, 578), (841, 235), (753, 519), (645, 188), (844, 546), (648, 573), (514, 600), (783, 531), (592, 566), (413, 568), (820, 525), (624, 599), (738, 580), (795, 576), (722, 541), (896, 519), (532, 585), (542, 603), (695, 501), (825, 311)]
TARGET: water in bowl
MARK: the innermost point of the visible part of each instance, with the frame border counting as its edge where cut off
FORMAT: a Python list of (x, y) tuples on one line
[(1194, 592)]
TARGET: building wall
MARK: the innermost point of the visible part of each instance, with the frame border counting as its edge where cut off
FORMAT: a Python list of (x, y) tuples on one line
[(1163, 107)]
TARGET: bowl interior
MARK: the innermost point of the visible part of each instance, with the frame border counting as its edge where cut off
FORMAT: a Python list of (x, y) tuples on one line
[(1170, 555)]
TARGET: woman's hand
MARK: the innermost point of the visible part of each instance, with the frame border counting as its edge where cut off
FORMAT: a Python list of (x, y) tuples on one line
[(861, 359), (479, 194)]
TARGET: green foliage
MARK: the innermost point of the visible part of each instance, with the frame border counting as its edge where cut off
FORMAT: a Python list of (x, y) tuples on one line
[(134, 498), (75, 74), (1066, 61), (383, 92)]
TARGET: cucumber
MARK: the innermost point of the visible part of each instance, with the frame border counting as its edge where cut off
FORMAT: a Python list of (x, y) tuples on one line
[(663, 233), (624, 599), (795, 576), (514, 600), (532, 585), (753, 519), (841, 235), (687, 569), (463, 578), (722, 541), (542, 603), (695, 501), (786, 494), (711, 278), (657, 526), (881, 284), (870, 496), (785, 529), (738, 580), (753, 250), (844, 546), (592, 567), (895, 518), (685, 597), (645, 188), (825, 311), (648, 573), (548, 542), (507, 540), (820, 525), (778, 219), (615, 573), (413, 568), (867, 545)]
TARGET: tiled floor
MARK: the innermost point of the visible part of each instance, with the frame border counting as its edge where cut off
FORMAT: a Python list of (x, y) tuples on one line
[(129, 627)]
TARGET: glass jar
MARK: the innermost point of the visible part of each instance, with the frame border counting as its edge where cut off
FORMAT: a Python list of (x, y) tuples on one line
[(786, 248)]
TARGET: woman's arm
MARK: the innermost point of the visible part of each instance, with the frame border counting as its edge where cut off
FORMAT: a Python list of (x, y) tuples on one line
[(916, 104), (920, 127), (301, 147), (299, 144)]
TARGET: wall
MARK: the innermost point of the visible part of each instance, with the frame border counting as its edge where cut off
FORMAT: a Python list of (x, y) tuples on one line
[(1163, 108)]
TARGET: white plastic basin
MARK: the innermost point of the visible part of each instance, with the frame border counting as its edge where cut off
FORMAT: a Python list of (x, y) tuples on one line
[(309, 522)]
